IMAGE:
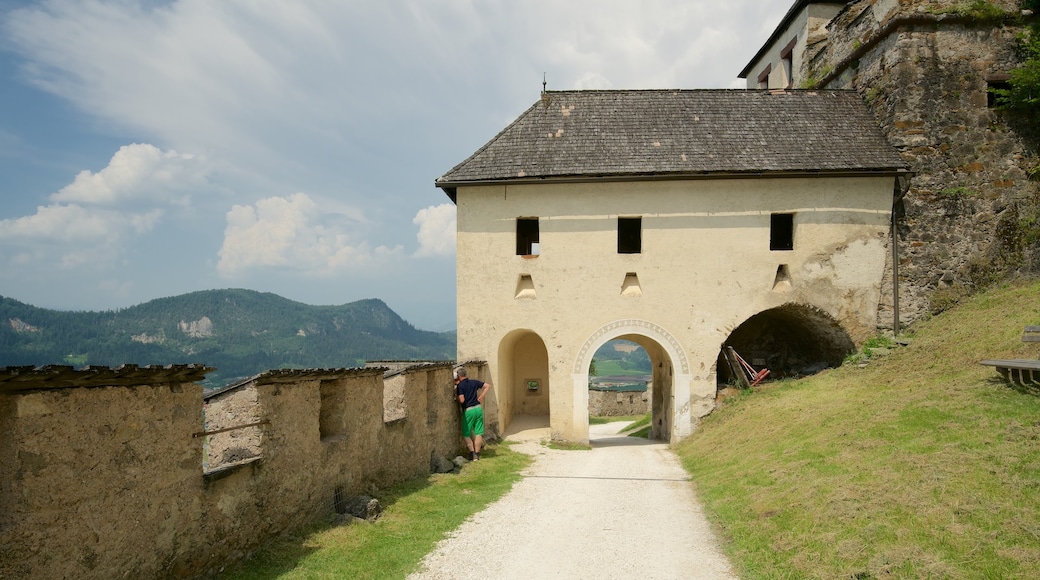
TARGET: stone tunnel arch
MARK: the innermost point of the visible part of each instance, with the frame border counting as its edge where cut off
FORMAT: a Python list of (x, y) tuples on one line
[(790, 340), (670, 405)]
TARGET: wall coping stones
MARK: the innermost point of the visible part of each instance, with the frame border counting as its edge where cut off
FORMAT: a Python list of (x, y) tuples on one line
[(30, 378)]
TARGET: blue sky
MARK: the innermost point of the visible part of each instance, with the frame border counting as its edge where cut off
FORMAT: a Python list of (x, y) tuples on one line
[(149, 149)]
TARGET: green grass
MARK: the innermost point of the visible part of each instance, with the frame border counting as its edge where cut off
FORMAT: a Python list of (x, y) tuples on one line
[(614, 419), (417, 514), (611, 368), (924, 464), (640, 427), (567, 446)]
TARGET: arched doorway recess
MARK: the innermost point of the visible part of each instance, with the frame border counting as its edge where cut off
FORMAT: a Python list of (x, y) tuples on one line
[(524, 377)]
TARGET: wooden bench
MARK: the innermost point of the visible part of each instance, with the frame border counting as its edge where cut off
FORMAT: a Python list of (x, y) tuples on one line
[(1021, 371)]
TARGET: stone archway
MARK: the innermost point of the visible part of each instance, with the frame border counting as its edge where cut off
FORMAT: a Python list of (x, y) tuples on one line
[(670, 407)]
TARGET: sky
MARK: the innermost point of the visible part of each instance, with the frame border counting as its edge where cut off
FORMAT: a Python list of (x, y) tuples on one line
[(154, 148)]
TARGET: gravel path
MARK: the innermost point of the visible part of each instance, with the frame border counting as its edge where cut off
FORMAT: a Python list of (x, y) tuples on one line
[(625, 509)]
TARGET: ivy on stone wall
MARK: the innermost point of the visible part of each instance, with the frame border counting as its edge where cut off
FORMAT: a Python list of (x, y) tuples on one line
[(1023, 91)]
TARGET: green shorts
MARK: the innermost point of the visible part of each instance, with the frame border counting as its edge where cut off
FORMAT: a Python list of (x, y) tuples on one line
[(473, 421)]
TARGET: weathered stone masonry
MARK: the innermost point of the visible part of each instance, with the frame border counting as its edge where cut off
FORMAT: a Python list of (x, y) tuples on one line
[(925, 69), (101, 473)]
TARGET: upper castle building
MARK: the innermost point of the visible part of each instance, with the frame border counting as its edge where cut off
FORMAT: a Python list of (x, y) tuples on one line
[(971, 215)]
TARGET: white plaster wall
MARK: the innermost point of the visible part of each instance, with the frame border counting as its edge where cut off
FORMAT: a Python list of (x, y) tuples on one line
[(705, 267), (805, 23)]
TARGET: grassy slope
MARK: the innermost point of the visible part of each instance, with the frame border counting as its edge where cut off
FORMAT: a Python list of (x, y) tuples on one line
[(923, 464)]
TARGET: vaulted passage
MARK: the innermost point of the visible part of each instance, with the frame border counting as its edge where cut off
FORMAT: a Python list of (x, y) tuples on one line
[(791, 340)]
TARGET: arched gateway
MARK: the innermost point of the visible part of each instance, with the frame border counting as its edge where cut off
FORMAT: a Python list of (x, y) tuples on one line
[(670, 406), (566, 240)]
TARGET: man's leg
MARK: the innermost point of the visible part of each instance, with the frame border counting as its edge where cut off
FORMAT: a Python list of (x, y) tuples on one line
[(467, 433), (478, 433)]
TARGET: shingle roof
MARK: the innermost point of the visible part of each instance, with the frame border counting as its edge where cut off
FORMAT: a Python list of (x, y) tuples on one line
[(584, 134)]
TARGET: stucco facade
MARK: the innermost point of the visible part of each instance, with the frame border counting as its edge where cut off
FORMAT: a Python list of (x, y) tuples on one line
[(705, 266), (680, 220)]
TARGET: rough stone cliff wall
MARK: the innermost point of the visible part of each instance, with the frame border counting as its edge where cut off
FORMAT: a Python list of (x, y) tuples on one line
[(970, 213)]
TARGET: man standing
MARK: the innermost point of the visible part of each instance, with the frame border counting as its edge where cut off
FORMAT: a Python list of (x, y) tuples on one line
[(470, 394)]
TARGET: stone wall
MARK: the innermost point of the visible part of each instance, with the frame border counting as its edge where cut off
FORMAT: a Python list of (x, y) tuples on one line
[(613, 403), (109, 482), (970, 210)]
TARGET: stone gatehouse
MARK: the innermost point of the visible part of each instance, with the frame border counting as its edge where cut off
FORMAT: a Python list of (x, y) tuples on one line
[(681, 220)]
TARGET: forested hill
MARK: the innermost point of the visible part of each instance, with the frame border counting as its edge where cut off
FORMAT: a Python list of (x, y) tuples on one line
[(240, 332)]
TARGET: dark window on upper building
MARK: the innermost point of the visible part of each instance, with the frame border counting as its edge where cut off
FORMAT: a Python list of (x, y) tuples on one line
[(629, 235), (781, 231), (526, 236), (787, 62), (763, 77)]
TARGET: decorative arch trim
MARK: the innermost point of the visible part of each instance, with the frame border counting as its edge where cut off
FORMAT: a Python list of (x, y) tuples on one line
[(631, 326)]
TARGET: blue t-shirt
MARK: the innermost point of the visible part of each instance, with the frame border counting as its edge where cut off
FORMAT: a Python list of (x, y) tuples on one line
[(469, 388)]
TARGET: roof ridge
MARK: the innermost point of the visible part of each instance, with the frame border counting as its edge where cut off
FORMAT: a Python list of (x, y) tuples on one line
[(610, 133)]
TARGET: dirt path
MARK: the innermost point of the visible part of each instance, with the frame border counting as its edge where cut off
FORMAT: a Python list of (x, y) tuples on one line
[(625, 509)]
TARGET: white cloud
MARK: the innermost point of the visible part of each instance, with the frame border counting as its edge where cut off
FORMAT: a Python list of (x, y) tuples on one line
[(138, 172), (291, 233), (68, 236), (254, 79), (62, 223), (436, 230), (75, 224), (95, 218)]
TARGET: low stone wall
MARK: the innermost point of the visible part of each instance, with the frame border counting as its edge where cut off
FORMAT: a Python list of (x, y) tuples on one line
[(614, 403), (109, 481)]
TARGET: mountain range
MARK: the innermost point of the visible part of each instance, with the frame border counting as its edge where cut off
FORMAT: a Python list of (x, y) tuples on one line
[(239, 332)]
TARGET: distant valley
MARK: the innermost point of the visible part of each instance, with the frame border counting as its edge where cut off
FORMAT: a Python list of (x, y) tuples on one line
[(239, 332)]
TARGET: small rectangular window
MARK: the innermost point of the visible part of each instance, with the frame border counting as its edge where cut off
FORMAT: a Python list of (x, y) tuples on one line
[(781, 231), (763, 77), (526, 236), (787, 63), (629, 235), (999, 84)]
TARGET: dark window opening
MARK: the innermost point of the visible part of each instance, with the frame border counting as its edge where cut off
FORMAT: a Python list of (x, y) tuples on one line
[(992, 99), (527, 236), (763, 77), (629, 235), (787, 63), (781, 231)]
